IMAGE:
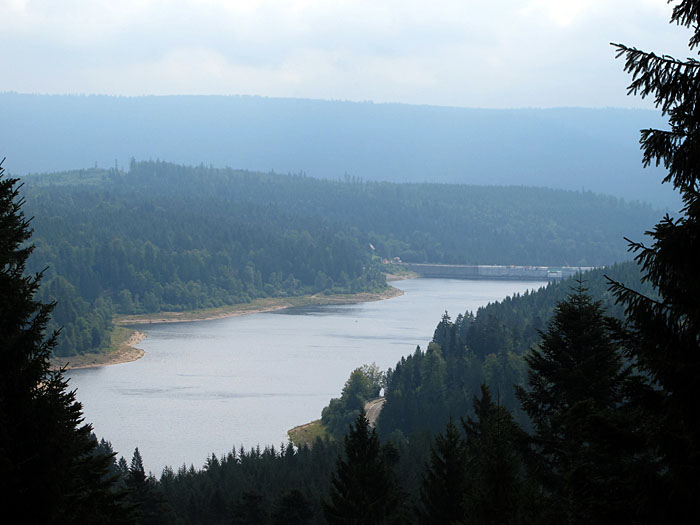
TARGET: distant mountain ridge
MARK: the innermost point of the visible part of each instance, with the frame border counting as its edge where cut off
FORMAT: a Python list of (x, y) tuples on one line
[(566, 148)]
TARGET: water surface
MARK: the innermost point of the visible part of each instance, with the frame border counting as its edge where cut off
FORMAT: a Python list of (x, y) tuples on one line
[(209, 386)]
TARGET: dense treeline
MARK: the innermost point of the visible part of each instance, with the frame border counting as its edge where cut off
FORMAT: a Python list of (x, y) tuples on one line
[(485, 224), (163, 237), (428, 387), (256, 486)]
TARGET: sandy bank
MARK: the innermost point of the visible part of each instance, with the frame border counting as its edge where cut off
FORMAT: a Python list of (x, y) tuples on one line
[(401, 276), (127, 351), (256, 306)]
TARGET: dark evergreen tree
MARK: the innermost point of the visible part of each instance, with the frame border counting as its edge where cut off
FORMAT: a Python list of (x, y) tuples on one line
[(445, 480), (104, 448), (664, 332), (144, 495), (493, 448), (446, 335), (50, 470), (363, 488), (578, 403), (250, 509), (123, 467), (137, 473), (292, 508)]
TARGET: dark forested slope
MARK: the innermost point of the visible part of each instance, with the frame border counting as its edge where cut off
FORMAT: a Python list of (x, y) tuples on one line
[(487, 346)]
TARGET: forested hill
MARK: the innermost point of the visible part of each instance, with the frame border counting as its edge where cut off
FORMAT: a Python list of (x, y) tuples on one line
[(168, 237), (567, 148), (487, 346)]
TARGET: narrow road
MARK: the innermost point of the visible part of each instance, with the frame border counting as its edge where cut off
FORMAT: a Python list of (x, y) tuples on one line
[(372, 409)]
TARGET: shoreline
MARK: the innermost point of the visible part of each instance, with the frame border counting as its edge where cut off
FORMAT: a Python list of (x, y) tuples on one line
[(257, 306), (126, 351)]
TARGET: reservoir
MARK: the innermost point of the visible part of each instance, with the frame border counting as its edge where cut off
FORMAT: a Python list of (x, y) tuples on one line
[(210, 386)]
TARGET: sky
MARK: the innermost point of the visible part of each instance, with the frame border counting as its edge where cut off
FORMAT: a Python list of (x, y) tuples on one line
[(466, 53)]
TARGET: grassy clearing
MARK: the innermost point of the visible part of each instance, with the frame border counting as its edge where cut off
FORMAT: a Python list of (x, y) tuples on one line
[(307, 434), (396, 272)]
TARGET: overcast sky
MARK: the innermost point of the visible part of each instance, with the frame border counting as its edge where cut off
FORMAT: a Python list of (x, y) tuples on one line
[(471, 53)]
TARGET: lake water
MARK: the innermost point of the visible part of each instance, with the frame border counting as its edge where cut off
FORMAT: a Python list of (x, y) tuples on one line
[(209, 386)]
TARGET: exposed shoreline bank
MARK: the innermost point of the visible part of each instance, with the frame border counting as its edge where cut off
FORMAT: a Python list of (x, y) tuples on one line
[(256, 306), (127, 351)]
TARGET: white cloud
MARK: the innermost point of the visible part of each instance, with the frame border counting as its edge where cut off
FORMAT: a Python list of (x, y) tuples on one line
[(562, 13), (457, 52)]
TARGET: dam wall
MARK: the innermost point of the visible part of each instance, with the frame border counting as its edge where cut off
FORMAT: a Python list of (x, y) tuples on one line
[(532, 273)]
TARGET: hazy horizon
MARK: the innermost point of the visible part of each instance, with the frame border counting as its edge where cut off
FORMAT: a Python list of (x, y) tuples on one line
[(330, 100)]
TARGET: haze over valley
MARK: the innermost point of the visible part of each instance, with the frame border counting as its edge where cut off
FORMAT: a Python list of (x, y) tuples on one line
[(564, 148)]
